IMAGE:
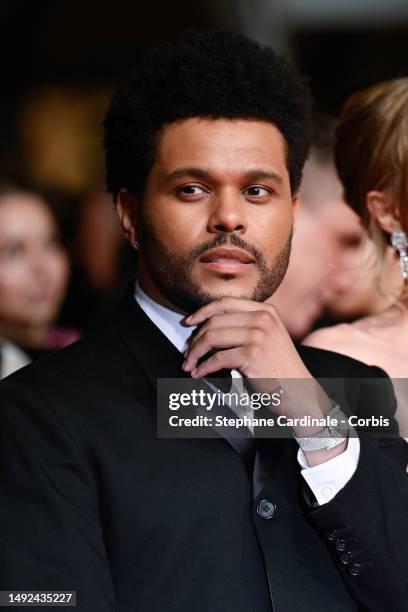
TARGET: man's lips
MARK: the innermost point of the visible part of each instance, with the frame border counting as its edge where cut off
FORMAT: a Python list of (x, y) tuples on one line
[(227, 260), (229, 255)]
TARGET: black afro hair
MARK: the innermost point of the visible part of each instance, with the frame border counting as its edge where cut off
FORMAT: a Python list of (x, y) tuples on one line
[(212, 74)]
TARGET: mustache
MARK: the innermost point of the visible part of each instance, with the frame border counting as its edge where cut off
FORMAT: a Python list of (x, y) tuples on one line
[(232, 239)]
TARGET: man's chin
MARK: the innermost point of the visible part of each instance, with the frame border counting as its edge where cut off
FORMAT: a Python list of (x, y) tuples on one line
[(216, 291), (226, 283), (191, 300)]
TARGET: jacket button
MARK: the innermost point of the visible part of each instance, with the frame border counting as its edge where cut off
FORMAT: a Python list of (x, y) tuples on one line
[(266, 509), (346, 557), (354, 569), (340, 544), (332, 535)]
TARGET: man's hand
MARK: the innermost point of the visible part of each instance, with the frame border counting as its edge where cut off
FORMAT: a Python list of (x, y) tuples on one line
[(253, 340)]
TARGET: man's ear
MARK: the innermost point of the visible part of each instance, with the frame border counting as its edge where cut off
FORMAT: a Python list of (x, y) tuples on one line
[(382, 209), (296, 202), (128, 209)]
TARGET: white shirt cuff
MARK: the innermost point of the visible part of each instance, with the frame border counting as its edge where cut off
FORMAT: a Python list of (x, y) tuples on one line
[(326, 479)]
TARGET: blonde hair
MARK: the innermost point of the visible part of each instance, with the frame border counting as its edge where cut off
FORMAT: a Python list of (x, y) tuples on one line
[(371, 151)]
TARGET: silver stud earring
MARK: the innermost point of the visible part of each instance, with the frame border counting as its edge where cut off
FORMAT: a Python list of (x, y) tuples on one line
[(400, 242), (135, 245)]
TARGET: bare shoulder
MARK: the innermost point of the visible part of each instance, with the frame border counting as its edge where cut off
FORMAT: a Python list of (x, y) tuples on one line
[(339, 338)]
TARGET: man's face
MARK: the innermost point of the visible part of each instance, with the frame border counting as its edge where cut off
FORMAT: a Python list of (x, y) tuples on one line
[(217, 213)]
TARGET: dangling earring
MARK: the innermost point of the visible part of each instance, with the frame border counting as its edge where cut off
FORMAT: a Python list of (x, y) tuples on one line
[(400, 242), (135, 245)]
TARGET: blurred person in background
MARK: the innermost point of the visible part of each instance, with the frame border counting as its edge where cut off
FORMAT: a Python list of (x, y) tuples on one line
[(34, 272), (104, 264), (372, 161), (99, 242), (326, 246), (373, 287)]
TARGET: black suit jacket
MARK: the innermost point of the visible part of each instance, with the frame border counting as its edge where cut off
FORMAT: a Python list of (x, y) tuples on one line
[(91, 500)]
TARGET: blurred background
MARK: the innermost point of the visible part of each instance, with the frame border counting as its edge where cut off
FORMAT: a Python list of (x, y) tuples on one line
[(62, 59)]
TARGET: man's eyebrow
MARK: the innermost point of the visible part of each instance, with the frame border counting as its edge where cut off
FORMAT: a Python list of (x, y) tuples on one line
[(189, 171), (258, 173)]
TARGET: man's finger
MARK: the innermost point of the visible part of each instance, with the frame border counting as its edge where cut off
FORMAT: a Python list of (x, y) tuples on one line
[(223, 306), (216, 339), (224, 320), (228, 359)]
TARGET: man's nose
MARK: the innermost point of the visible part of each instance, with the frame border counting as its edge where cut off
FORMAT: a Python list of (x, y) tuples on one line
[(228, 214)]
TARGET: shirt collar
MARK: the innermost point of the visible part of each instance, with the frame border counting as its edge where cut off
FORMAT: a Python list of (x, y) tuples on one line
[(168, 321)]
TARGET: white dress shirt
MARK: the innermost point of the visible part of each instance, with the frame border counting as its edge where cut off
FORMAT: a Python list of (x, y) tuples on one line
[(12, 358), (326, 479)]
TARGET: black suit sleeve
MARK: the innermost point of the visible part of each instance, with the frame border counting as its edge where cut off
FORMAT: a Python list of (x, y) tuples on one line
[(50, 532), (365, 525)]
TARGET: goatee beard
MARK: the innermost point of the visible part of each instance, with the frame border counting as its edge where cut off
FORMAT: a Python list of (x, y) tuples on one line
[(174, 276)]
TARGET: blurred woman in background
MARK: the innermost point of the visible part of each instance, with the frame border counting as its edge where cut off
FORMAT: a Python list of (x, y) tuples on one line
[(372, 163), (34, 272)]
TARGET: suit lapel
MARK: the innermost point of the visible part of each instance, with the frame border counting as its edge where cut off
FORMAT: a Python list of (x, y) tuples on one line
[(156, 355), (159, 358)]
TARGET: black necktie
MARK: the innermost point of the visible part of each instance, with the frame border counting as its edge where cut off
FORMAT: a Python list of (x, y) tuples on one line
[(245, 443)]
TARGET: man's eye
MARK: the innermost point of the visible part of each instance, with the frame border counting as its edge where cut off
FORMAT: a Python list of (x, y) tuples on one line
[(191, 190), (256, 191)]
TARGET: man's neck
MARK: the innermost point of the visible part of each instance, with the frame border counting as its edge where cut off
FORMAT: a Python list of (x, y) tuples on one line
[(150, 289)]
